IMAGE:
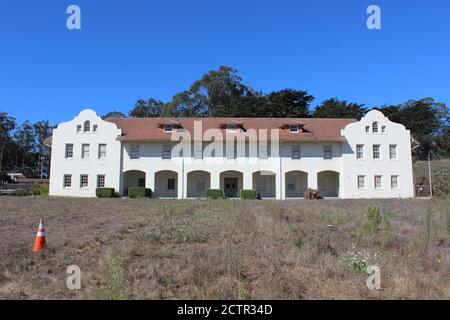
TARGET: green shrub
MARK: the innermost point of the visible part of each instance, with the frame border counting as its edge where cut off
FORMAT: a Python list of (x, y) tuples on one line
[(39, 190), (137, 192), (248, 194), (21, 192), (312, 194), (214, 194), (373, 218), (105, 192)]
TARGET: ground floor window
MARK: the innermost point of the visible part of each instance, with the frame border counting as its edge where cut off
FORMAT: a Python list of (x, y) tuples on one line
[(141, 182), (394, 182), (361, 182), (84, 181), (377, 182), (101, 181), (291, 184), (67, 180), (170, 184)]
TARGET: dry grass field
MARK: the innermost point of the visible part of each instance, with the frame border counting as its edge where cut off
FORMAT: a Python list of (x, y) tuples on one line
[(225, 249)]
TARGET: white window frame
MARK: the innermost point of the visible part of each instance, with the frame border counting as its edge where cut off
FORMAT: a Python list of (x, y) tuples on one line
[(375, 182), (85, 154), (65, 185), (295, 154), (135, 151), (231, 128), (293, 128), (327, 155), (390, 152), (102, 153), (376, 152), (360, 153), (168, 128), (87, 126), (359, 185), (396, 181), (81, 181), (99, 178), (375, 127), (66, 152)]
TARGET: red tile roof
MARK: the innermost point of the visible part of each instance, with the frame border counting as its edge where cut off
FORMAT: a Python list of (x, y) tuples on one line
[(314, 129)]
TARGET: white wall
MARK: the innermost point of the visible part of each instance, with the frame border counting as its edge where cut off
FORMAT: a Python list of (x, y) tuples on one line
[(66, 132)]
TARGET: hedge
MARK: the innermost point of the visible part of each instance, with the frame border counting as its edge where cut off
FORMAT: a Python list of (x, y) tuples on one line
[(312, 194), (105, 192), (137, 192), (214, 194), (249, 194)]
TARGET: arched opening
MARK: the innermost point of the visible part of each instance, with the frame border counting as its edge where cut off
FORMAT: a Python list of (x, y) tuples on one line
[(264, 184), (133, 178), (87, 126), (166, 184), (328, 183), (296, 183), (197, 183), (231, 182)]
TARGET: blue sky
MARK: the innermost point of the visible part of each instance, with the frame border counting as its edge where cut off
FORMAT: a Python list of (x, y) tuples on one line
[(142, 48)]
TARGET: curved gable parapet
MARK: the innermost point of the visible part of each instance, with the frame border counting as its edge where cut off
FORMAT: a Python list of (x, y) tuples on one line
[(372, 117)]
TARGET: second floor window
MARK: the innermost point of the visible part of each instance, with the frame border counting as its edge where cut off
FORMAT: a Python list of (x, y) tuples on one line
[(102, 151), (327, 152), (376, 151), (135, 152), (393, 151), (375, 127), (69, 150), (295, 151), (87, 126), (359, 151), (85, 151), (167, 151), (168, 128)]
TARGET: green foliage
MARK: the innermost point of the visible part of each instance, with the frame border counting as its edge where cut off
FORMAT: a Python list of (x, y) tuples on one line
[(151, 108), (312, 194), (248, 194), (214, 194), (386, 231), (39, 190), (356, 263), (335, 108), (137, 192), (288, 103), (22, 192), (114, 277), (372, 219), (105, 192), (114, 114), (441, 185), (299, 242)]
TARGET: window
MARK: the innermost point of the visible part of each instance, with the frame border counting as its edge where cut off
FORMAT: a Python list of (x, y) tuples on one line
[(85, 151), (377, 182), (67, 181), (100, 181), (261, 185), (327, 152), (367, 129), (383, 129), (359, 151), (102, 151), (376, 151), (94, 128), (167, 151), (201, 186), (84, 181), (394, 182), (375, 127), (291, 185), (295, 151), (393, 151), (79, 128), (231, 128), (141, 182), (171, 184), (361, 182), (135, 152), (263, 150), (87, 126), (168, 128), (293, 128), (69, 150)]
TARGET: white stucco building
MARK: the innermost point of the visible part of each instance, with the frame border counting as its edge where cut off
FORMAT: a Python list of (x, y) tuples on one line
[(278, 157)]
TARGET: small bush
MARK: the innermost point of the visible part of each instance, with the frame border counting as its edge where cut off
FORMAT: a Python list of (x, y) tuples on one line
[(214, 194), (39, 190), (105, 192), (312, 194), (386, 232), (136, 192), (373, 218), (248, 194), (21, 192)]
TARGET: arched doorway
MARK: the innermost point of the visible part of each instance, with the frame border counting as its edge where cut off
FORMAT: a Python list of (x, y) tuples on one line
[(296, 183), (197, 183), (328, 183), (231, 182), (133, 178), (166, 184), (264, 184)]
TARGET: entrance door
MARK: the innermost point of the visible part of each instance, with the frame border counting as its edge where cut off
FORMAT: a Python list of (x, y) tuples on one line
[(231, 185)]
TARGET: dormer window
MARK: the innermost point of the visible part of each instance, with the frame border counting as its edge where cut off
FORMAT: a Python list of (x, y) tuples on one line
[(87, 126), (293, 128), (168, 128), (375, 127), (231, 128)]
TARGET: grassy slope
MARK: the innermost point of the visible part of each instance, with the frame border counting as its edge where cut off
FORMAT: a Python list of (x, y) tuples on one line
[(421, 167), (149, 249)]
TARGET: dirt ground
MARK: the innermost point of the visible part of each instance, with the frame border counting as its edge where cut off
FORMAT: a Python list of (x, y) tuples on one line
[(224, 249)]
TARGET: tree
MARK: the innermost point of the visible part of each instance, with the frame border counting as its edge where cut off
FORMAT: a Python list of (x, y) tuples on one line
[(42, 130), (288, 103), (114, 114), (25, 148), (7, 124), (151, 108), (335, 108)]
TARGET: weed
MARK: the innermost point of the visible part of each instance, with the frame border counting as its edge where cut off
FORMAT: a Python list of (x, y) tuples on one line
[(114, 276), (372, 219)]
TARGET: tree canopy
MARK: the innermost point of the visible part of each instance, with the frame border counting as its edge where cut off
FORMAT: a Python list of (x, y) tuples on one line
[(335, 108)]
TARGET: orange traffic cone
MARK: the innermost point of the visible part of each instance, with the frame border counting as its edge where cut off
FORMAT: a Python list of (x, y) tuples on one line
[(39, 243)]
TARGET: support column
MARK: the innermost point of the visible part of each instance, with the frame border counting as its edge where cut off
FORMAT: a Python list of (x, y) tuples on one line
[(185, 185), (180, 185), (248, 180), (312, 180), (150, 180), (279, 182), (215, 180)]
